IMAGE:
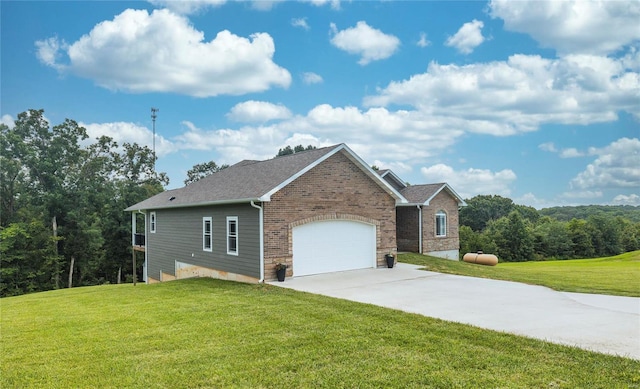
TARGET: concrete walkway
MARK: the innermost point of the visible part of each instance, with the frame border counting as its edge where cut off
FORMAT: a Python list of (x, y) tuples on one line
[(607, 324)]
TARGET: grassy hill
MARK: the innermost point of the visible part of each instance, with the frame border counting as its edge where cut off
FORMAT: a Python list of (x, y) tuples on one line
[(616, 275), (210, 333)]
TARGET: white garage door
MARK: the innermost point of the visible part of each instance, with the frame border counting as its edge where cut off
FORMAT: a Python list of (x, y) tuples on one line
[(335, 245)]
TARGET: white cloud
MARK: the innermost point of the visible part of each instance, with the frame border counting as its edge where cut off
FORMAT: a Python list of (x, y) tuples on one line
[(390, 139), (468, 37), (399, 168), (48, 51), (187, 7), (169, 56), (549, 146), (264, 5), (571, 152), (335, 4), (405, 137), (532, 200), (258, 112), (300, 22), (8, 121), (305, 140), (632, 199), (123, 132), (409, 136), (311, 78), (367, 42), (584, 194), (423, 42), (471, 182), (260, 142), (572, 26), (617, 166), (520, 94), (396, 139)]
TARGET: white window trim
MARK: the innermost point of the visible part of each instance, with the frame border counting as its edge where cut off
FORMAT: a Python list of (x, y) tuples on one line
[(153, 221), (204, 222), (443, 213), (235, 219)]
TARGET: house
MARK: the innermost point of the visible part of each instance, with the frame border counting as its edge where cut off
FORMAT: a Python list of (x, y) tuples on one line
[(427, 222), (318, 211)]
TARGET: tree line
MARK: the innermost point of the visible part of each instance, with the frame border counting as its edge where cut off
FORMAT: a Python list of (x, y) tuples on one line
[(494, 224), (62, 219)]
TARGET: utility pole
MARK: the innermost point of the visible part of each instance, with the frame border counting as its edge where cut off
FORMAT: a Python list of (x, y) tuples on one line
[(154, 115)]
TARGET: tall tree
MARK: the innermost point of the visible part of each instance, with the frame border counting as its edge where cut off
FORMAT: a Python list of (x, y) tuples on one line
[(513, 238), (474, 241), (605, 234), (12, 176), (201, 170), (580, 235), (26, 258), (552, 239), (73, 193), (630, 235), (483, 208)]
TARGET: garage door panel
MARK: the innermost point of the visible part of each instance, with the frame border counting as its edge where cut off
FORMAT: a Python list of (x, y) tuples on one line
[(329, 246)]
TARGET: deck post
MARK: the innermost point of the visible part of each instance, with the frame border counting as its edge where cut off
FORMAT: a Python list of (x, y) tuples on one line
[(133, 243)]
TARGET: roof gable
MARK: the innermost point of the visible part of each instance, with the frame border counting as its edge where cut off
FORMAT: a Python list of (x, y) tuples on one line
[(423, 194), (392, 178), (254, 180)]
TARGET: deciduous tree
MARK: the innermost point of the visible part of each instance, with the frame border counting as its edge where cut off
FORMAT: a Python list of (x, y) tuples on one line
[(201, 170), (57, 183)]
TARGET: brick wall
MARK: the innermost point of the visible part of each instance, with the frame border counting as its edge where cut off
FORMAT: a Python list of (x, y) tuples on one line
[(447, 203), (335, 189)]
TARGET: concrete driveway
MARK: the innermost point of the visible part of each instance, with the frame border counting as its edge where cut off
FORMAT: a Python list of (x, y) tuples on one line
[(607, 324)]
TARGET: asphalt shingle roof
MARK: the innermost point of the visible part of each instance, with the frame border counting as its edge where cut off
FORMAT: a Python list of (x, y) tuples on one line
[(419, 194), (244, 181)]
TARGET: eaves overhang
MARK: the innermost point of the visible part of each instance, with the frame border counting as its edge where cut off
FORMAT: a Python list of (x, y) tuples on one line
[(200, 204)]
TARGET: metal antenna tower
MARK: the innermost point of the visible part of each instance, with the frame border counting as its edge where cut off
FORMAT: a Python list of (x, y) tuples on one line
[(154, 115)]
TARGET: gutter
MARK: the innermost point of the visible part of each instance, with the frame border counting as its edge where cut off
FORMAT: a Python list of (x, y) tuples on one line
[(200, 204), (259, 207)]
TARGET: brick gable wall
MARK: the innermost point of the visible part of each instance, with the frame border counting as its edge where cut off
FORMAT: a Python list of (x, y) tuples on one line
[(335, 189), (443, 201)]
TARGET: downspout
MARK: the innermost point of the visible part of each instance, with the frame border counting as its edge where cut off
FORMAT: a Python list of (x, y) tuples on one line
[(259, 207), (420, 228)]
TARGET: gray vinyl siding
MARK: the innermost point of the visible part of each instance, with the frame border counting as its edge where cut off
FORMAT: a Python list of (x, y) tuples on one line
[(178, 237)]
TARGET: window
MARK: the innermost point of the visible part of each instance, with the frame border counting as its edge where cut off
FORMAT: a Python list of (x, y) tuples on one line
[(232, 235), (441, 223), (152, 222), (207, 233)]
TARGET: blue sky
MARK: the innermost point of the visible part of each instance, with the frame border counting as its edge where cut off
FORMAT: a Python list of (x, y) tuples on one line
[(537, 101)]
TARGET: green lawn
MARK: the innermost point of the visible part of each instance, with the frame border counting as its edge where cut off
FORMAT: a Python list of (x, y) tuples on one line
[(211, 333), (617, 275)]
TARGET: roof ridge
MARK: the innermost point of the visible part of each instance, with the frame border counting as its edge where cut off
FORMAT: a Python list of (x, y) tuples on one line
[(254, 181), (301, 152), (434, 183)]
